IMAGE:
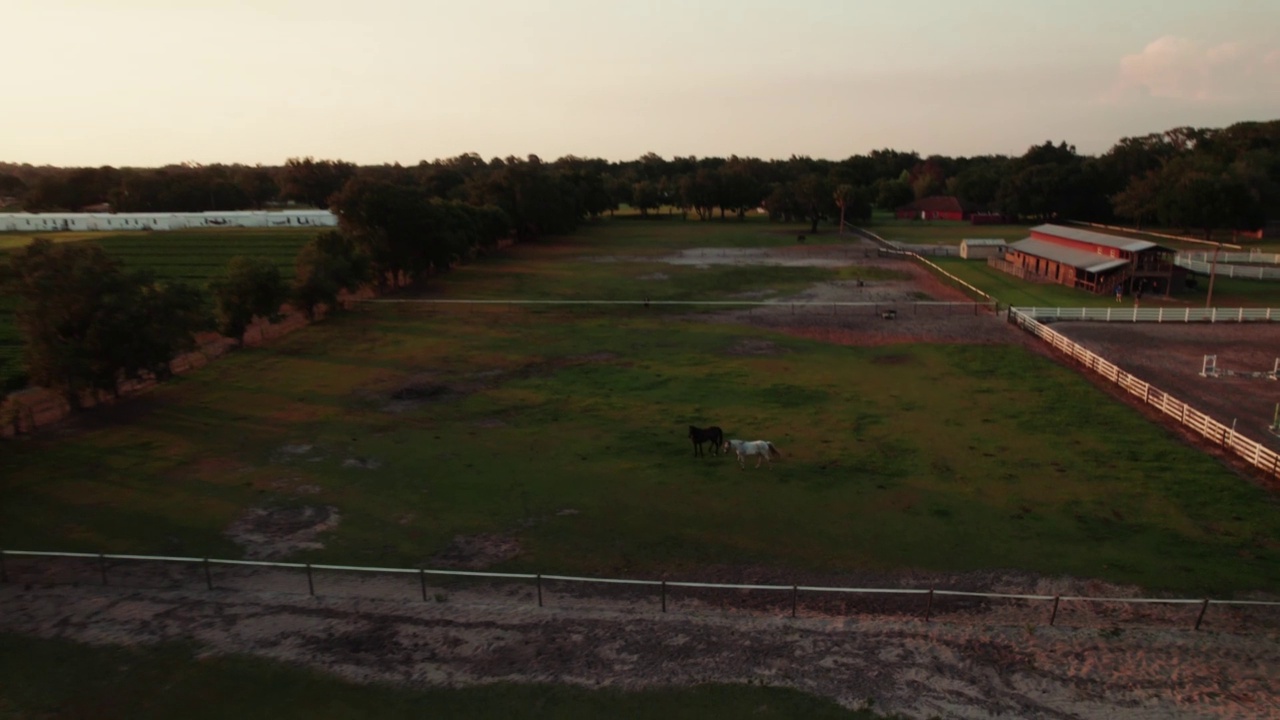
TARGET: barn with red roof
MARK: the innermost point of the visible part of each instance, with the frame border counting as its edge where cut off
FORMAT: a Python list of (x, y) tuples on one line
[(935, 207), (1095, 261)]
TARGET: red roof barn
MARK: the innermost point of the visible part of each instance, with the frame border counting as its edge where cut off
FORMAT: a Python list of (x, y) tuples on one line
[(936, 207)]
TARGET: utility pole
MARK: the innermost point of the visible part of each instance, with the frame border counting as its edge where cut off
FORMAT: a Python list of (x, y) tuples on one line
[(1213, 268)]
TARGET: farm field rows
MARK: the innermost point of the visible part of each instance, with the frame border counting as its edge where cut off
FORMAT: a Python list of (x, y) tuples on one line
[(553, 441), (192, 256)]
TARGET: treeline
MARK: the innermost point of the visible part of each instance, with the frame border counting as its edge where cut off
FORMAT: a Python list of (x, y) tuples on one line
[(1185, 178), (88, 324)]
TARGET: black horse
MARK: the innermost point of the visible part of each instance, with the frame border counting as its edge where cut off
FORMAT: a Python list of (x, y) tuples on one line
[(713, 435)]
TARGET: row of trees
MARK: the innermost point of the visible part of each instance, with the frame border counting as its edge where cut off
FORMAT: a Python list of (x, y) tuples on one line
[(88, 324), (1185, 177)]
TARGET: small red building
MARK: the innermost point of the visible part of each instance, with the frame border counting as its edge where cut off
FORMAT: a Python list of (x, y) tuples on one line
[(1095, 261), (936, 207)]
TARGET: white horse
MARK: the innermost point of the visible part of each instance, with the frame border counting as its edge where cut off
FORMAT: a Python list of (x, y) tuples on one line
[(762, 449)]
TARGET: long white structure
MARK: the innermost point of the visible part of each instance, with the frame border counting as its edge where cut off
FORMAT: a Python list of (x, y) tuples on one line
[(89, 222)]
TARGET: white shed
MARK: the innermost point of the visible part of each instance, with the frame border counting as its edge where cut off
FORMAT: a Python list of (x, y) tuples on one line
[(980, 248)]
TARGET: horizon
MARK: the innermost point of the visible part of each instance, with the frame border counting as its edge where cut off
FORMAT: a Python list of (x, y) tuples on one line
[(144, 84)]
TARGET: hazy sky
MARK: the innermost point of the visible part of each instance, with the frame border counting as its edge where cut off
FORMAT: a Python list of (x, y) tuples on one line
[(149, 82)]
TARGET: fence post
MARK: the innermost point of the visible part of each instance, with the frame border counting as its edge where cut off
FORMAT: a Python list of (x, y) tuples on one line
[(1054, 616), (208, 577), (539, 581), (795, 593), (664, 596), (1203, 607), (929, 607), (422, 581), (102, 565), (4, 572), (311, 586)]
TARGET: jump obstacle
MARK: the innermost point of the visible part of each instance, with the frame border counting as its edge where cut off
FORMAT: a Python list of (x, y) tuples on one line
[(1209, 368)]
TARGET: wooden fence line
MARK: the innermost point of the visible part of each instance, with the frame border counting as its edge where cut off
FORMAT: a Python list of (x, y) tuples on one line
[(7, 573), (1254, 453)]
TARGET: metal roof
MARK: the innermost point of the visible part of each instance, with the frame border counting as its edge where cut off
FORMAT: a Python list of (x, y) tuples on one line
[(981, 242), (1095, 238), (1079, 259)]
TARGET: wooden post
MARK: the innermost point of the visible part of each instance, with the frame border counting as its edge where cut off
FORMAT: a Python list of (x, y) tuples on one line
[(928, 608), (311, 586), (208, 577), (664, 596), (1054, 616), (795, 593), (102, 565), (1203, 607), (4, 572), (539, 581), (422, 581)]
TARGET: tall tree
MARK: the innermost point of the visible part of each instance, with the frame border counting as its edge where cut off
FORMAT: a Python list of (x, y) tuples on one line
[(312, 181), (251, 287), (327, 265), (87, 325)]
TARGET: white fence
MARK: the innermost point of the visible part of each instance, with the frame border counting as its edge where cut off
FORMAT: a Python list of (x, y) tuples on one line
[(101, 567), (1252, 452), (1158, 315), (1252, 257), (1248, 272), (892, 248)]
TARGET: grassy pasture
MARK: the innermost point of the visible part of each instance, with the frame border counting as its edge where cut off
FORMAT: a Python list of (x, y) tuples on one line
[(938, 232), (948, 458), (58, 679)]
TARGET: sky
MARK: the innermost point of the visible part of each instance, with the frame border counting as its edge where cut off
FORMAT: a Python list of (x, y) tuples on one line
[(151, 82)]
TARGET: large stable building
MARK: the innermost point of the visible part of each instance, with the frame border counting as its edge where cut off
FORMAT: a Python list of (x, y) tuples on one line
[(1095, 261), (52, 222)]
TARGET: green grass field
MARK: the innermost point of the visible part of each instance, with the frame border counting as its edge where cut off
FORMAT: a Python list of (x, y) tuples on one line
[(936, 232), (58, 680), (193, 256), (947, 458)]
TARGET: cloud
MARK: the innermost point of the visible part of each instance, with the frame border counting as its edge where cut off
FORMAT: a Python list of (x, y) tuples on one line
[(1178, 68)]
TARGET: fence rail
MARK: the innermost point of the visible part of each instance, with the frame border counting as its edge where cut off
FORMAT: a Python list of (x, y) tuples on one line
[(1253, 257), (1252, 452), (804, 305), (9, 574), (892, 248), (1222, 269), (1161, 314)]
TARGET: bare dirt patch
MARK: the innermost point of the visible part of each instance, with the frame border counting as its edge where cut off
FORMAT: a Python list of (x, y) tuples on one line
[(272, 533), (477, 552), (362, 463), (753, 346), (969, 662), (910, 310)]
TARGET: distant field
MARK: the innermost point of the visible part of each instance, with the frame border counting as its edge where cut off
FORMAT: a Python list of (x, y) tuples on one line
[(937, 232), (193, 256)]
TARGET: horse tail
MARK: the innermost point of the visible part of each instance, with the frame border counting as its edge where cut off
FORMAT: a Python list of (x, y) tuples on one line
[(774, 451)]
